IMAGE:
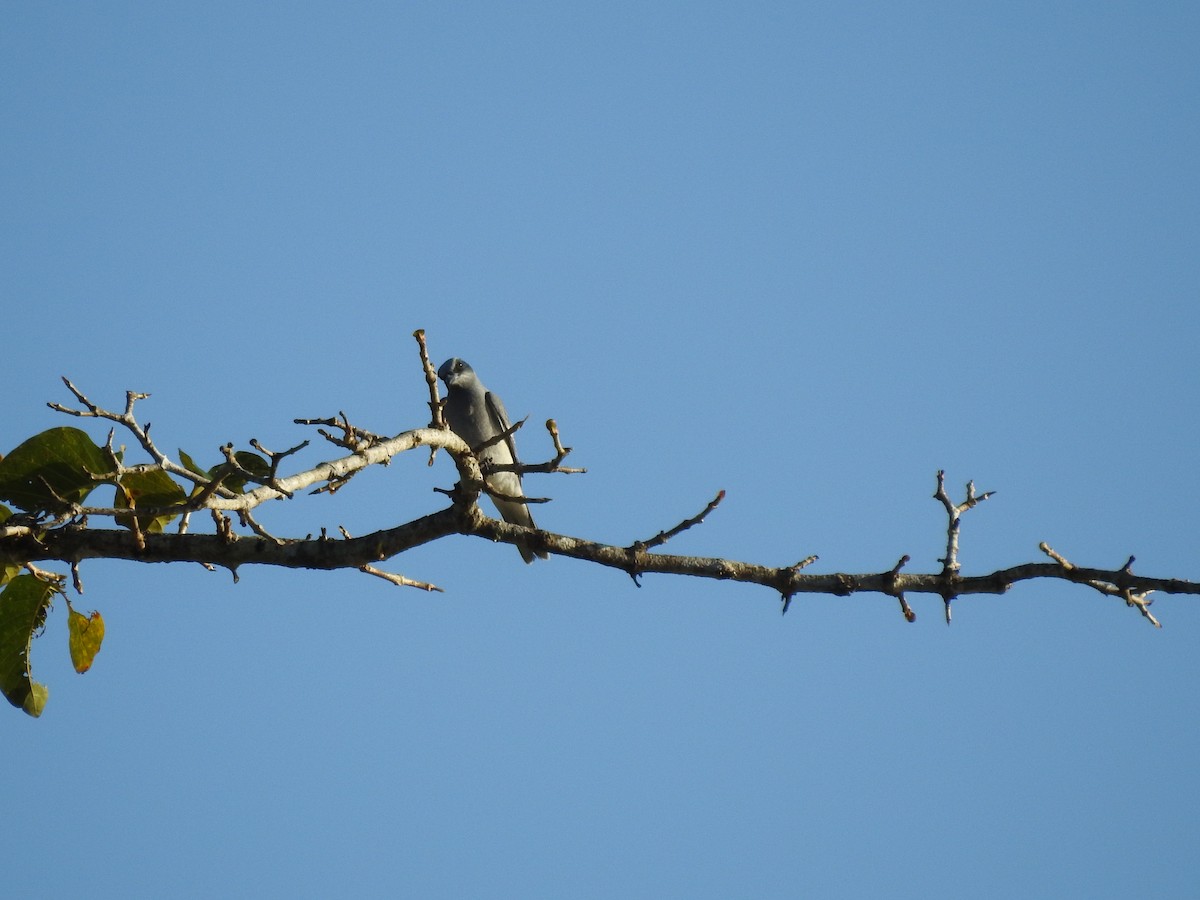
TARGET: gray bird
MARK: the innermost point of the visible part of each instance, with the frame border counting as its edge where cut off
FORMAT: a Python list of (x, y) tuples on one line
[(476, 415)]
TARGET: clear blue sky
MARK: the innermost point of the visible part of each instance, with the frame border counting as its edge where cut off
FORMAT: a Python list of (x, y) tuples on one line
[(807, 253)]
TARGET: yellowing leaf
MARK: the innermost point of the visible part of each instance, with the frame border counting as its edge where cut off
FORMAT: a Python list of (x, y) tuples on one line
[(36, 701), (86, 635)]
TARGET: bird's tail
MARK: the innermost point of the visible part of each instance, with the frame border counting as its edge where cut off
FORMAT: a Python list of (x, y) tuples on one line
[(528, 554)]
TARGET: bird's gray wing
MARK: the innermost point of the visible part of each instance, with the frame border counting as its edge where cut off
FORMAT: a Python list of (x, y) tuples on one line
[(499, 417), (511, 511)]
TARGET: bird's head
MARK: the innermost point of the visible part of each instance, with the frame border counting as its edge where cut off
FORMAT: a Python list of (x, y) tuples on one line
[(456, 373)]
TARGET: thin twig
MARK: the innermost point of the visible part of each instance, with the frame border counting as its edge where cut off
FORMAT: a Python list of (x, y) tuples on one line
[(638, 549), (399, 580), (950, 564), (792, 570), (663, 536), (247, 519), (1109, 587), (436, 419), (890, 580)]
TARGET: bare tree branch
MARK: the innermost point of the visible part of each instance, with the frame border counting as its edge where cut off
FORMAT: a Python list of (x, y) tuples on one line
[(72, 544), (65, 535), (436, 419)]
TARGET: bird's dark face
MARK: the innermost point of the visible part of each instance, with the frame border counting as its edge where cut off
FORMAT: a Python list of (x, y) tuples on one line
[(455, 372)]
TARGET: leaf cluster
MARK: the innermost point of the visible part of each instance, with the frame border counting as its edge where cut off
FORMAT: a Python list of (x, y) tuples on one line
[(48, 479)]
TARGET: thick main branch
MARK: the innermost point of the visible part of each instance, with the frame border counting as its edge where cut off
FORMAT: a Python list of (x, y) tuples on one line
[(72, 544)]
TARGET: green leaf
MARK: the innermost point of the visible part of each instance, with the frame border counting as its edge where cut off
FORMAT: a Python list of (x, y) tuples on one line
[(59, 463), (86, 634), (252, 463), (141, 490), (236, 482), (23, 606), (191, 466)]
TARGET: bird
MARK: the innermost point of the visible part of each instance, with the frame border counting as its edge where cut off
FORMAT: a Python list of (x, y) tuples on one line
[(477, 416)]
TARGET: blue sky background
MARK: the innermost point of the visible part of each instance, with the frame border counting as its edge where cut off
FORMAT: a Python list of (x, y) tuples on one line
[(807, 253)]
